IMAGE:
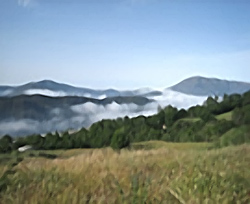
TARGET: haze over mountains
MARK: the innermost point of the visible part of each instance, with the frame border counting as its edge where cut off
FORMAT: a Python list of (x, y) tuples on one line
[(45, 106)]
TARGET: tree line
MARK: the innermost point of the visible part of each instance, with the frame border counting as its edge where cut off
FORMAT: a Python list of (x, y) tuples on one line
[(197, 124)]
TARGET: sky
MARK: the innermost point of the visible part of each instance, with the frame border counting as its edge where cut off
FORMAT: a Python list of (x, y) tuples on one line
[(124, 44)]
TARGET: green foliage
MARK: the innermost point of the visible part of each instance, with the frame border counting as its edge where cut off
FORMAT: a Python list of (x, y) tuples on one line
[(235, 136), (80, 139), (100, 133), (36, 141), (170, 115), (212, 105), (204, 123), (226, 116), (52, 141), (246, 98), (6, 144), (213, 130), (120, 139), (241, 115), (181, 114), (229, 103), (201, 111), (66, 141), (195, 111), (156, 121), (207, 116)]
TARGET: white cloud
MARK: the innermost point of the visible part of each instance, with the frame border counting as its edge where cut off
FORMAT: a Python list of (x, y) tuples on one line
[(18, 126), (102, 96), (87, 95), (6, 92), (178, 99), (92, 112), (45, 92), (83, 115)]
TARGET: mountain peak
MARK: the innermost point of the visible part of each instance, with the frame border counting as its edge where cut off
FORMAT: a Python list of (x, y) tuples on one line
[(203, 78), (46, 81), (202, 86)]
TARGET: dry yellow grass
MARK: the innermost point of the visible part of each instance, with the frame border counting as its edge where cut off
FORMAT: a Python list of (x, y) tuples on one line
[(103, 171), (162, 175)]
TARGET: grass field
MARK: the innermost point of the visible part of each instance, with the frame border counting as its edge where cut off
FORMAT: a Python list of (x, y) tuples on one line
[(171, 145), (226, 116), (150, 172)]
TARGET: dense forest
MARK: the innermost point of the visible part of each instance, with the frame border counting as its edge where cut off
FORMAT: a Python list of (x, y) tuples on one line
[(223, 122)]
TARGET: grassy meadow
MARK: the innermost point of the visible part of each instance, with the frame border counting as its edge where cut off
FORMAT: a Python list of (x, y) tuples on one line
[(148, 172), (199, 155)]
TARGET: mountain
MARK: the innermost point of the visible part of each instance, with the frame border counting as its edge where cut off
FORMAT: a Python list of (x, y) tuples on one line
[(29, 114), (51, 88), (54, 89), (48, 106), (201, 86), (24, 114), (196, 86), (38, 107)]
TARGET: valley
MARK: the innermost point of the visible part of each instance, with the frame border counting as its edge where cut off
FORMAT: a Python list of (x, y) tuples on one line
[(124, 102), (47, 106)]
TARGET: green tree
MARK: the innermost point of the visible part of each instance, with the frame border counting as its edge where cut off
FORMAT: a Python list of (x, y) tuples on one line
[(36, 141), (120, 139), (212, 105), (170, 115), (241, 115), (195, 111), (181, 114), (80, 139), (246, 98), (6, 144), (52, 141), (66, 141)]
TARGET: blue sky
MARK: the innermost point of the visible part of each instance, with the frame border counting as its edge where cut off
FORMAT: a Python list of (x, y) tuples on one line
[(123, 43)]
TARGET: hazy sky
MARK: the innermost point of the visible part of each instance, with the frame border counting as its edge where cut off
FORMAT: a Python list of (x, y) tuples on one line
[(123, 43)]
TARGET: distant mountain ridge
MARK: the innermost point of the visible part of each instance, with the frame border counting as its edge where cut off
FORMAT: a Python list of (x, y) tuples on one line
[(201, 86), (48, 106), (197, 86), (51, 88), (39, 107)]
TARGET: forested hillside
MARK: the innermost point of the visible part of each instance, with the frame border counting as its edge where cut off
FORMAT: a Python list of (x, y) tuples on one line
[(224, 123)]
